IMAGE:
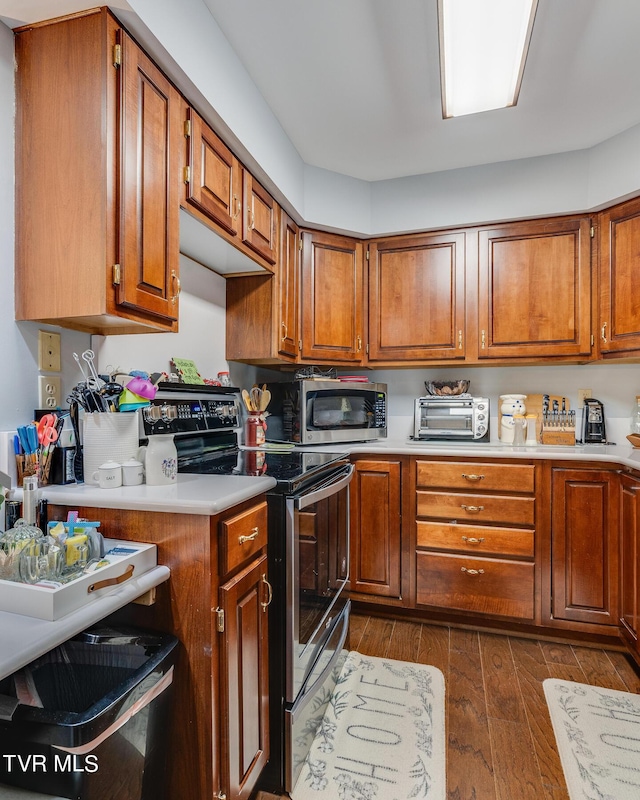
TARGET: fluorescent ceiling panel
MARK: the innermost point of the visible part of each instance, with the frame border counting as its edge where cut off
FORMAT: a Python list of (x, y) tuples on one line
[(483, 49)]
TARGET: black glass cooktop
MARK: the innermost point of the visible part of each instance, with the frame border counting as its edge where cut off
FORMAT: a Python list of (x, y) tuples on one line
[(290, 468)]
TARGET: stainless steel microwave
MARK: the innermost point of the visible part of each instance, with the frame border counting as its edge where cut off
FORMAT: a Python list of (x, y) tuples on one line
[(321, 411)]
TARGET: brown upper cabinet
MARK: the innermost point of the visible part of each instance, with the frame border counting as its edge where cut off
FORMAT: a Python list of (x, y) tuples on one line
[(97, 179), (417, 298), (332, 298), (534, 289), (213, 175), (619, 268), (222, 194), (263, 316)]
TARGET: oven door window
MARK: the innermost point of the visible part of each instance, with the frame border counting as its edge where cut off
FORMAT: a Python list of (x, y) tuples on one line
[(323, 561), (451, 418), (340, 410)]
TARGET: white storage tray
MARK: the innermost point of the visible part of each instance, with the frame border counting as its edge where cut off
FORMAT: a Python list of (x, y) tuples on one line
[(127, 560)]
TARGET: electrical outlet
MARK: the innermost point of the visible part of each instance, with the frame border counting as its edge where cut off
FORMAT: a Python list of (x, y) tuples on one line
[(582, 393), (49, 392), (49, 351)]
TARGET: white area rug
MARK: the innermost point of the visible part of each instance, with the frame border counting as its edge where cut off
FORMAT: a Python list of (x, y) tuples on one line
[(598, 736), (382, 736)]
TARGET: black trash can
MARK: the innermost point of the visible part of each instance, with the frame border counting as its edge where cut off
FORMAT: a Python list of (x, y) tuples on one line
[(90, 719)]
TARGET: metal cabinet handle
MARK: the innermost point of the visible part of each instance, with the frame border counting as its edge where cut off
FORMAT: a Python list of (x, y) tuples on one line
[(472, 540), (603, 332), (472, 571), (358, 343), (267, 603), (175, 280), (250, 537), (473, 477), (483, 340), (236, 206), (251, 219), (284, 332), (459, 340), (473, 509)]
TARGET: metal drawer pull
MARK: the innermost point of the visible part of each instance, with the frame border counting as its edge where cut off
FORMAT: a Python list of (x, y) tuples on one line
[(472, 540), (472, 508), (253, 535), (266, 604), (473, 477), (472, 571)]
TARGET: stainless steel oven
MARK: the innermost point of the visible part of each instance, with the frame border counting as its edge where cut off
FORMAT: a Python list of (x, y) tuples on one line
[(308, 567)]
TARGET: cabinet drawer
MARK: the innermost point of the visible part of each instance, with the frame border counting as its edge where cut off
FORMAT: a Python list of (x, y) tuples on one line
[(476, 508), (483, 585), (242, 536), (476, 477), (475, 539)]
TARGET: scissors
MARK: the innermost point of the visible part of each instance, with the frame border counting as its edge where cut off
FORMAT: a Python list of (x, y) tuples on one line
[(47, 433)]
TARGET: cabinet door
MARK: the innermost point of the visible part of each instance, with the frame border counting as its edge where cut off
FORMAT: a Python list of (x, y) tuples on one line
[(619, 269), (244, 680), (534, 292), (289, 287), (259, 228), (376, 541), (630, 555), (332, 300), (584, 555), (214, 175), (149, 184), (417, 298)]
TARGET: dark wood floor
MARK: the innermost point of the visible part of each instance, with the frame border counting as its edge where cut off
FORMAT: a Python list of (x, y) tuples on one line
[(500, 743)]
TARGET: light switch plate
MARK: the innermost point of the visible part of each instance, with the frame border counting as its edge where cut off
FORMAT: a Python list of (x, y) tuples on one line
[(49, 351), (582, 393)]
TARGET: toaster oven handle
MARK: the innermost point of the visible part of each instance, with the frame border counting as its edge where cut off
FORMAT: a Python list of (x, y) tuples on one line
[(332, 486)]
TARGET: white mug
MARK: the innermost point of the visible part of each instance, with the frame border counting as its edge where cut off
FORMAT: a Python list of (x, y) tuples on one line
[(132, 472), (108, 475)]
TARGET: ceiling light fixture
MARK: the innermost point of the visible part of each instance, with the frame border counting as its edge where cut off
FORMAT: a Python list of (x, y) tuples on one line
[(483, 49)]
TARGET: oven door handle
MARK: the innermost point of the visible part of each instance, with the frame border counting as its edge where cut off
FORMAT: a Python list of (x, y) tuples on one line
[(326, 490)]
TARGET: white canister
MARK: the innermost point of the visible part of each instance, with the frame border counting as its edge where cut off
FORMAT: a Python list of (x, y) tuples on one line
[(108, 475), (132, 472), (160, 459)]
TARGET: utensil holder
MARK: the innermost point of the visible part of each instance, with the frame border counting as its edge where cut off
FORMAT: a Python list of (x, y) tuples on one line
[(108, 437)]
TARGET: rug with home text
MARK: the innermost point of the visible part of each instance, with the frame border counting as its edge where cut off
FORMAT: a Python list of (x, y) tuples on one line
[(598, 736), (382, 736)]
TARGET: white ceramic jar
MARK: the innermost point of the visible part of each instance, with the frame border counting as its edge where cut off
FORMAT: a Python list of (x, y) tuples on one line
[(160, 460), (108, 475), (132, 472)]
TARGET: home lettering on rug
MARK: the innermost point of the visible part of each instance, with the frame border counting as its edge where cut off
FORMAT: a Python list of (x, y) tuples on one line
[(387, 736), (382, 735)]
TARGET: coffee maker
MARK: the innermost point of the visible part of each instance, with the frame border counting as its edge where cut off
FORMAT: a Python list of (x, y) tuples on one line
[(593, 427)]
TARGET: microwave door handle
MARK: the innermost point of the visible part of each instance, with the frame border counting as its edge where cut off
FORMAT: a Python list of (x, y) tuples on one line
[(325, 491)]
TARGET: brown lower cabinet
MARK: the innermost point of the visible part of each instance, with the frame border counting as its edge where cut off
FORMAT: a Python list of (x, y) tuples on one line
[(584, 545), (376, 530), (215, 602)]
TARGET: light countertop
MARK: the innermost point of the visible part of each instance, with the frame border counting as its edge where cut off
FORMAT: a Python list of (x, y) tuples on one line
[(190, 494)]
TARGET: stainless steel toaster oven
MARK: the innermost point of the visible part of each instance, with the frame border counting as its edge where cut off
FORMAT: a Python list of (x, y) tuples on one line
[(460, 418)]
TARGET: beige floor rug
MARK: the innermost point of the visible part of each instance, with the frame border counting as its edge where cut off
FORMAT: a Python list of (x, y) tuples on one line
[(382, 736), (598, 736)]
